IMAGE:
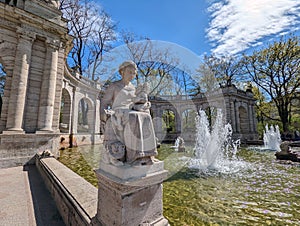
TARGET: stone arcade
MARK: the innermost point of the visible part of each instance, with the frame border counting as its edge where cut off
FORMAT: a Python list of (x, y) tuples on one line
[(33, 48), (239, 109), (32, 51)]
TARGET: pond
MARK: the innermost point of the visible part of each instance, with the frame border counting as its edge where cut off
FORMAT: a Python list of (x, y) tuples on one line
[(262, 192)]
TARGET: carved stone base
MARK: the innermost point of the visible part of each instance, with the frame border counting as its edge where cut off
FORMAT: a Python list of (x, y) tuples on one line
[(135, 199)]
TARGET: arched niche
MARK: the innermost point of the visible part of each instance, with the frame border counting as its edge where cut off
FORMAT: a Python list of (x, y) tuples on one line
[(244, 120), (211, 113), (65, 111), (169, 121), (85, 116), (188, 120)]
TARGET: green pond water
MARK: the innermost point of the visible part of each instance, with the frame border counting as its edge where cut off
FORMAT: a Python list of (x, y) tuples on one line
[(255, 189)]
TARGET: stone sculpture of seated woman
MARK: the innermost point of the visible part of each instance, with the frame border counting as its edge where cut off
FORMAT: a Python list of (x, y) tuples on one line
[(129, 135)]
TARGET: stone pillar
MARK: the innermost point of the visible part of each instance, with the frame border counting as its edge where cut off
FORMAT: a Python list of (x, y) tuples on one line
[(130, 195), (237, 117), (74, 119), (233, 115), (178, 121), (253, 118), (19, 83), (96, 115), (48, 88), (158, 122), (250, 117)]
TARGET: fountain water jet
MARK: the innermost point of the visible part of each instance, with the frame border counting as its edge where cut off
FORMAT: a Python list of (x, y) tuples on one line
[(214, 150), (272, 138)]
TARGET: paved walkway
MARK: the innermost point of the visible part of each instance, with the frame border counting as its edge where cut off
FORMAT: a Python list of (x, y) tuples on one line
[(25, 200)]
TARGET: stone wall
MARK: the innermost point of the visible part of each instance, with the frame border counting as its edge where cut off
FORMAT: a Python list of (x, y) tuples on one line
[(33, 48), (75, 198), (76, 89), (18, 149)]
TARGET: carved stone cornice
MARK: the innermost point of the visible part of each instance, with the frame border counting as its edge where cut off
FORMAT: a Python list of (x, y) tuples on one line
[(6, 23), (26, 34), (53, 43)]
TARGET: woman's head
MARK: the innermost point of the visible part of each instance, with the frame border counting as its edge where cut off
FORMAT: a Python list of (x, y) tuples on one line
[(128, 70), (126, 64)]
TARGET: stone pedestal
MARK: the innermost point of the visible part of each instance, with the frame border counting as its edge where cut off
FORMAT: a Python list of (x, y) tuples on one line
[(130, 195)]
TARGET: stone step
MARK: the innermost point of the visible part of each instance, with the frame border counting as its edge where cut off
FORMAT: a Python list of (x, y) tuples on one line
[(16, 161), (17, 153)]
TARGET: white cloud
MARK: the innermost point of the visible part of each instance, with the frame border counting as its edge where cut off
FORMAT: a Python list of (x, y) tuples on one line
[(237, 25)]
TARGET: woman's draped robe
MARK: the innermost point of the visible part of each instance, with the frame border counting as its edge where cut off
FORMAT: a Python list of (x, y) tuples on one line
[(134, 129)]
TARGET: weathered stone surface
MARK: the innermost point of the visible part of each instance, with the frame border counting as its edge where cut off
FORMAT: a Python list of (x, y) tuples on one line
[(75, 198), (137, 202), (27, 28), (18, 149), (130, 175), (24, 199)]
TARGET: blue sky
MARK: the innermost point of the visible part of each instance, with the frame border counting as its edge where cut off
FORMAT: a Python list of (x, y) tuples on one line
[(207, 26), (177, 21)]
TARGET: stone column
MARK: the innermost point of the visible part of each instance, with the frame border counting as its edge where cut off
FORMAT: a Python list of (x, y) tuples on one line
[(237, 117), (130, 195), (158, 122), (233, 115), (75, 110), (48, 88), (96, 115), (178, 122), (250, 116), (253, 119), (19, 83)]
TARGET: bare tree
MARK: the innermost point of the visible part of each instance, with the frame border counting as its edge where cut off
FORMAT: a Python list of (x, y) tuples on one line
[(224, 70), (101, 42), (81, 19), (93, 32), (151, 61), (2, 79), (276, 72), (206, 77)]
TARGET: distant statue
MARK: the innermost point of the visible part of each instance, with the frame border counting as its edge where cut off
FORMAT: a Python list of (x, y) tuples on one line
[(287, 153), (297, 135), (179, 144), (128, 129), (11, 2), (249, 87), (181, 147), (55, 3)]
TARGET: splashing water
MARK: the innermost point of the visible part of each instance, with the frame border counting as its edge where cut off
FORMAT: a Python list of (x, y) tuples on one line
[(272, 138), (215, 150)]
